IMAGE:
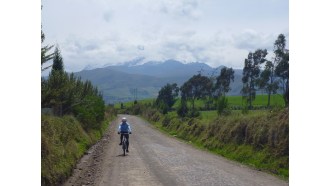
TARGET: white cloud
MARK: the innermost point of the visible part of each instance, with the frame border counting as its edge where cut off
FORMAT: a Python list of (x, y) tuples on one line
[(181, 9), (103, 32), (251, 40)]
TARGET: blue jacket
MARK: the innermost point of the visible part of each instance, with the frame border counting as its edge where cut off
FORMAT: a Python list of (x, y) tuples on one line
[(124, 127)]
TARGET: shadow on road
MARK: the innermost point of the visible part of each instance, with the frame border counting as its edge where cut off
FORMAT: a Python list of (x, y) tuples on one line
[(121, 155)]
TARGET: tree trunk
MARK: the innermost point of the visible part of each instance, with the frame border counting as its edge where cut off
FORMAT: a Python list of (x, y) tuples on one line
[(268, 104), (286, 94), (193, 104)]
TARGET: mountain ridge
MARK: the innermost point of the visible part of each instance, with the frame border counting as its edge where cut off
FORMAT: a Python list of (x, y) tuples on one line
[(125, 82)]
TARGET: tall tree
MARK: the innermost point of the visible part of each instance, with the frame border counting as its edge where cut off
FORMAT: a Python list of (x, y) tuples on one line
[(57, 61), (267, 80), (282, 65), (166, 97), (222, 85), (182, 110), (251, 74), (196, 87), (58, 82), (45, 55)]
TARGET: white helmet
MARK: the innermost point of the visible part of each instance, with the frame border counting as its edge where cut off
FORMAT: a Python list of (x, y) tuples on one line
[(123, 119)]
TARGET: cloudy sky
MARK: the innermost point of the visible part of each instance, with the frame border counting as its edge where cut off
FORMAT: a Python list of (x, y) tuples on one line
[(216, 32)]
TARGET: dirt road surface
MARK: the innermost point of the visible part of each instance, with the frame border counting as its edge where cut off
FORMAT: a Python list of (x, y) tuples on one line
[(157, 159)]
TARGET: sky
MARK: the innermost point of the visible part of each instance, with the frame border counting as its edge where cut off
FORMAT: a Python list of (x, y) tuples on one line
[(216, 32)]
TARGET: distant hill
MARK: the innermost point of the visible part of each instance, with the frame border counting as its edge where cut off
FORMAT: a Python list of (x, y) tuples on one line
[(118, 82), (169, 68)]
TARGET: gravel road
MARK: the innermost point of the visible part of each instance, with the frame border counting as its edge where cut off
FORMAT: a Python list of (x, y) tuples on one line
[(157, 159)]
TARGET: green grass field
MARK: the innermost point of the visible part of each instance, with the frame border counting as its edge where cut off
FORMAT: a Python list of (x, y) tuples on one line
[(237, 101), (131, 103), (233, 101), (261, 100)]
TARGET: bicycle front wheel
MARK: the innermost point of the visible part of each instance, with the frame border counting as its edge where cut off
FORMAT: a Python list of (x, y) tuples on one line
[(124, 147)]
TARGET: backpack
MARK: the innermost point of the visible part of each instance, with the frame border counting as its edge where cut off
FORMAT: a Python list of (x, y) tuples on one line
[(124, 127)]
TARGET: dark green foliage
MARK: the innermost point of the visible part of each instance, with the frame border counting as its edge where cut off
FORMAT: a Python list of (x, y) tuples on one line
[(45, 55), (267, 80), (66, 94), (90, 112), (163, 107), (193, 113), (282, 65), (183, 108), (57, 61), (251, 73), (222, 84), (222, 106), (196, 87), (167, 97), (53, 91)]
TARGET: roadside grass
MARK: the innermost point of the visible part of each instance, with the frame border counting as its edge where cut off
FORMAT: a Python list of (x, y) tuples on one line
[(258, 139), (63, 143)]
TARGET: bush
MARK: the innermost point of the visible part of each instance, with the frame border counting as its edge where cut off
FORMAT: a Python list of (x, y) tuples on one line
[(166, 121), (183, 108), (194, 113), (90, 112)]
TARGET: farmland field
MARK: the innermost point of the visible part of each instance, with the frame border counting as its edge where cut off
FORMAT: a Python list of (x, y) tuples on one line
[(233, 101)]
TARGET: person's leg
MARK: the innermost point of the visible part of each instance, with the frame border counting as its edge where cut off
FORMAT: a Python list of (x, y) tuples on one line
[(127, 137), (121, 139)]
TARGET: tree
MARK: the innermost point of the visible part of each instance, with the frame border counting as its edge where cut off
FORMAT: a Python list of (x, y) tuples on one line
[(44, 51), (56, 94), (222, 105), (282, 65), (166, 97), (267, 80), (222, 85), (57, 61), (45, 56), (183, 108), (57, 91), (196, 87), (251, 73)]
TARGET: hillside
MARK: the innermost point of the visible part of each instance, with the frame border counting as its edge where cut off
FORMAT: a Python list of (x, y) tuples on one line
[(118, 82)]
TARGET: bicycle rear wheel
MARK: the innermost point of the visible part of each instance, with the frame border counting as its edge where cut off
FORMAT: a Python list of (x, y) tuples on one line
[(124, 145)]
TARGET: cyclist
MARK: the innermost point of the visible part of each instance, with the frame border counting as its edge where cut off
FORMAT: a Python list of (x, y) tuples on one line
[(124, 127)]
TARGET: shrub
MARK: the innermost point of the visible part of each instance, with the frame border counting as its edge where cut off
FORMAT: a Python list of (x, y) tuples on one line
[(90, 112), (183, 108)]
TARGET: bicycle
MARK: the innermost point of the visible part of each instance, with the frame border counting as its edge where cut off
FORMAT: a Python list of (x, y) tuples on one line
[(124, 142)]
